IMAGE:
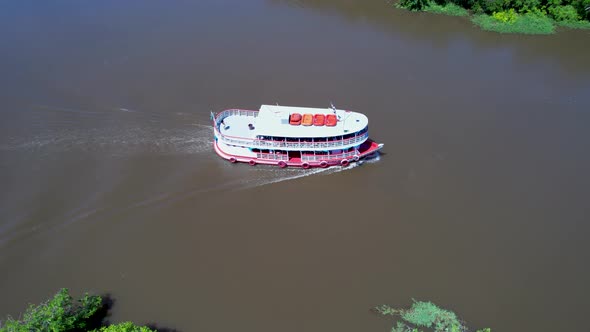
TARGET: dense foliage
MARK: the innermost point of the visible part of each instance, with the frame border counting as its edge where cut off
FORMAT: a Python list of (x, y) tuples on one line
[(424, 314), (58, 314), (61, 313), (124, 327), (521, 16)]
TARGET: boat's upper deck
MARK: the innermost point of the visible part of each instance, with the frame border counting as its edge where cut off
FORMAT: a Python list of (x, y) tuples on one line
[(270, 128), (274, 121)]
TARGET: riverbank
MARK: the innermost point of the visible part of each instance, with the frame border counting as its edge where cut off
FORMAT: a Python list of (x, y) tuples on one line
[(523, 17)]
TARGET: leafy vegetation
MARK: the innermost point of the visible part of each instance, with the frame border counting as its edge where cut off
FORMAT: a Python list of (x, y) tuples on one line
[(61, 314), (413, 4), (525, 24), (424, 314), (124, 327), (512, 16), (447, 9)]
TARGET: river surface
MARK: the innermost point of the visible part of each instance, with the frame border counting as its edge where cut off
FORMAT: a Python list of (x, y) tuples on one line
[(479, 202)]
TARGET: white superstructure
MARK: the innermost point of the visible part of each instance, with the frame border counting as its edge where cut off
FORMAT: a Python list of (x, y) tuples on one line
[(322, 135)]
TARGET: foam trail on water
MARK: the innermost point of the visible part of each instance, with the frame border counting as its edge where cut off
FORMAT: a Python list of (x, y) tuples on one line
[(65, 109), (117, 140)]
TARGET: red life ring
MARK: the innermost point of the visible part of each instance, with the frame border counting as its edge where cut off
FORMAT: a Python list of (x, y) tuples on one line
[(232, 160), (324, 164), (282, 164), (305, 165), (252, 162), (356, 157), (344, 162)]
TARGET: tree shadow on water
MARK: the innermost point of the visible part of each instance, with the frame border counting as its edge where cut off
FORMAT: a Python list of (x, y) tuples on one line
[(101, 317), (155, 327)]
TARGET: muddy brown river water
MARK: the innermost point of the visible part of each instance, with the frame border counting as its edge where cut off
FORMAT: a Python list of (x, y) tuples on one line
[(480, 201)]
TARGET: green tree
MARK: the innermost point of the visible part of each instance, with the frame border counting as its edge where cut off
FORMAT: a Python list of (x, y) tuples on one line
[(583, 8), (565, 13), (62, 314), (124, 327), (424, 314), (413, 4), (58, 314)]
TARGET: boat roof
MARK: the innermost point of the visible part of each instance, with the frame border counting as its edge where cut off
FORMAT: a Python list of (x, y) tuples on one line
[(273, 120)]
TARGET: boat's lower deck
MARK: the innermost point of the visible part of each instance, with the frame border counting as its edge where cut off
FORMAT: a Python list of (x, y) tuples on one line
[(294, 158)]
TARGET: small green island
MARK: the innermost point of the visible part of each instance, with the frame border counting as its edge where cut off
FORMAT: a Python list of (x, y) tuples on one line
[(424, 315), (511, 16)]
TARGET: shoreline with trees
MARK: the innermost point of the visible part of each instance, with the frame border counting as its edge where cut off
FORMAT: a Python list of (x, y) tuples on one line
[(511, 16)]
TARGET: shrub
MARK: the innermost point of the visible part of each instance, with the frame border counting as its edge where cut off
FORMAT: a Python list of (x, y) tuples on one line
[(448, 9), (461, 3), (491, 6), (413, 4), (124, 327), (529, 23), (563, 13), (582, 7), (427, 314), (57, 314), (524, 6), (476, 8), (581, 24), (506, 16), (61, 314), (423, 314)]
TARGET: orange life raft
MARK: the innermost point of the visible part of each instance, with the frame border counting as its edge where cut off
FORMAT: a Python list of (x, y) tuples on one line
[(318, 120), (331, 120), (295, 119)]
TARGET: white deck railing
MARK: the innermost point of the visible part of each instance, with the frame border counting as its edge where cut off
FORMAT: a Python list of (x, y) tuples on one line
[(261, 143), (340, 156), (272, 156), (222, 115), (326, 157)]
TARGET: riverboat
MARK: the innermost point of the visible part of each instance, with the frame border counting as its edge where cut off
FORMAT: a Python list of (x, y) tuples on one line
[(288, 136)]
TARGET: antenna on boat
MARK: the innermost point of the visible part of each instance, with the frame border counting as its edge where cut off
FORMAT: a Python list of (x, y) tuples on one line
[(334, 110)]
